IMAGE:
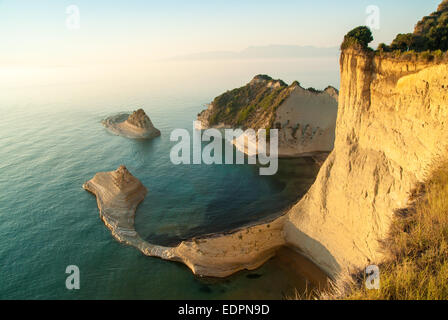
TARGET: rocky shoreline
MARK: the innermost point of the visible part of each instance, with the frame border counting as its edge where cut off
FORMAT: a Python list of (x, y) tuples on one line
[(118, 195)]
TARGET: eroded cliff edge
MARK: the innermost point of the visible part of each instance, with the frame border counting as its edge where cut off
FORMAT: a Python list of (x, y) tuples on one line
[(305, 118), (391, 127)]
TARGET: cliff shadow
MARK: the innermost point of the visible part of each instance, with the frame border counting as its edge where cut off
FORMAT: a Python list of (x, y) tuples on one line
[(312, 249)]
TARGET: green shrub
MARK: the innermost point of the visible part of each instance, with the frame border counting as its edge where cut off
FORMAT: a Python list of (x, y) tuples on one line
[(438, 38), (431, 33), (382, 47), (427, 55), (403, 42), (360, 36), (438, 53), (244, 114)]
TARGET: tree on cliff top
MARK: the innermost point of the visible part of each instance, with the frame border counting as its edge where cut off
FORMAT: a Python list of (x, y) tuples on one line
[(430, 33), (359, 36), (443, 6), (408, 41)]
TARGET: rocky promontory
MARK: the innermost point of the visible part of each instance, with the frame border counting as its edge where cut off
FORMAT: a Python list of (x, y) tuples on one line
[(119, 193), (135, 126), (305, 118)]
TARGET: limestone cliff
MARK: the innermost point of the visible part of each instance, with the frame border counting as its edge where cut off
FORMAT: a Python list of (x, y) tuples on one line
[(391, 127), (306, 118)]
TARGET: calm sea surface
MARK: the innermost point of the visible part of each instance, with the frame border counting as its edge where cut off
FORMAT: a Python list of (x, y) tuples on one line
[(52, 141)]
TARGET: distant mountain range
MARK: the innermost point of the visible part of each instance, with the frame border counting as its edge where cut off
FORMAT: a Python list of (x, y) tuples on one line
[(263, 52)]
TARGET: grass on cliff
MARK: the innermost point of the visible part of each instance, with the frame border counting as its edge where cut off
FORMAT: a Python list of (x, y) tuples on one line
[(417, 249)]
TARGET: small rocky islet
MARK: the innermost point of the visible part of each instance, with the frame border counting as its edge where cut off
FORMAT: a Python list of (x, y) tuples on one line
[(136, 125)]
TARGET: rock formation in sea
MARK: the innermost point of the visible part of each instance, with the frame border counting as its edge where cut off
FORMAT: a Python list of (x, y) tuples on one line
[(306, 118), (135, 126), (119, 193)]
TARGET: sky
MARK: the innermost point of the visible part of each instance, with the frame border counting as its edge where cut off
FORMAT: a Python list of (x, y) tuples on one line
[(35, 32)]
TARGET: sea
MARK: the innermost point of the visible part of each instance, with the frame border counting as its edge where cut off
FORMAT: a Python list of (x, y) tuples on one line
[(52, 141)]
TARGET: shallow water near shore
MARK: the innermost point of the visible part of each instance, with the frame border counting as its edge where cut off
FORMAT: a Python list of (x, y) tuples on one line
[(50, 147)]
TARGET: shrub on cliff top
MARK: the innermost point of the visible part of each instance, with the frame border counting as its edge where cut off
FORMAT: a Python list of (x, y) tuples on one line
[(263, 77), (443, 6), (438, 38), (431, 33), (382, 47), (405, 42), (360, 36)]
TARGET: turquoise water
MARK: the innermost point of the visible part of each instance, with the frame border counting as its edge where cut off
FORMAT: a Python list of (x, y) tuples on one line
[(52, 141)]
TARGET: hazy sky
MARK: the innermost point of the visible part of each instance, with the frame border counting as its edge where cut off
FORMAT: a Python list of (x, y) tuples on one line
[(34, 32)]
